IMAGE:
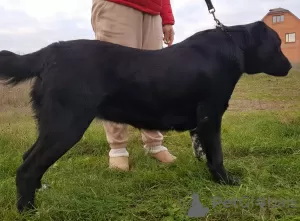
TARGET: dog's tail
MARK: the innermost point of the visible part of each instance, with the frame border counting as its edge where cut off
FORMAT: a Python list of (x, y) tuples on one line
[(17, 68)]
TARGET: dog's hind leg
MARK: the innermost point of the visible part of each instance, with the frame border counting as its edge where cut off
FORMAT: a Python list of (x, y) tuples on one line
[(27, 153), (196, 145), (36, 99), (60, 130), (209, 134), (25, 156)]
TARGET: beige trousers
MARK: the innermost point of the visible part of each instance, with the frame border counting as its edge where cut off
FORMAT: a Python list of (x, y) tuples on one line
[(126, 26)]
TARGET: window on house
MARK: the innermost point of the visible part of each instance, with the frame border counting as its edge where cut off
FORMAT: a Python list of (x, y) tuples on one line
[(290, 37), (278, 18)]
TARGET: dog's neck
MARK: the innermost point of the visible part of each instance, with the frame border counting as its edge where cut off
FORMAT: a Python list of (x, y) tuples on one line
[(234, 40), (230, 46)]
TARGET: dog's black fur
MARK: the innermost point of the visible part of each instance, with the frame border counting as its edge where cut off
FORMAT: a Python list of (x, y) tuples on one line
[(182, 87)]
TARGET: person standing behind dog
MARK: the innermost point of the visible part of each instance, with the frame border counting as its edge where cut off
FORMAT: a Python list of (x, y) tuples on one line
[(138, 24)]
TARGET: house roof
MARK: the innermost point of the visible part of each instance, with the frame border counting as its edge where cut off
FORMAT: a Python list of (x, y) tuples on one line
[(276, 10), (279, 10)]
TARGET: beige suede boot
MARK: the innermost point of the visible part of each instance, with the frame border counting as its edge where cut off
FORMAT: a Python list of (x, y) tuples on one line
[(120, 163), (119, 159), (160, 153)]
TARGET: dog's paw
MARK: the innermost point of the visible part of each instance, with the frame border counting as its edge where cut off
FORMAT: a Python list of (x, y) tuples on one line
[(225, 178), (25, 206), (228, 180)]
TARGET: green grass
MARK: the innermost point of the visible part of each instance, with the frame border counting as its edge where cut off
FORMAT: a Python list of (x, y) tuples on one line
[(261, 142)]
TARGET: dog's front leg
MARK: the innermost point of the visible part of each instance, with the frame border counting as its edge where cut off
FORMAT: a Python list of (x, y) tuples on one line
[(209, 135)]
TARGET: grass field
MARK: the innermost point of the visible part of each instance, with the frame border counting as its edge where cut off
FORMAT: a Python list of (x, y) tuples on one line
[(261, 138)]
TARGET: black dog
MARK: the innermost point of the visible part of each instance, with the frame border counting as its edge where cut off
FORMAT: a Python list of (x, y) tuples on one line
[(185, 87)]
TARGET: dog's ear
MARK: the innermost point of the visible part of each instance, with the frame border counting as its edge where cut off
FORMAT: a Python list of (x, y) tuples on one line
[(250, 36), (257, 33)]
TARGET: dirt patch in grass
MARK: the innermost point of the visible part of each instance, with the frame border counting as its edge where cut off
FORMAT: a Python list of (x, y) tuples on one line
[(251, 105)]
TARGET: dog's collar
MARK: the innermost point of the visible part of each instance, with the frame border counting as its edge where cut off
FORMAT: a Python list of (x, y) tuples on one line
[(224, 30), (219, 25)]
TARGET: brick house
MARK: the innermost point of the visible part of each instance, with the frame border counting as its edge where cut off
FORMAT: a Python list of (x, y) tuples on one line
[(287, 25)]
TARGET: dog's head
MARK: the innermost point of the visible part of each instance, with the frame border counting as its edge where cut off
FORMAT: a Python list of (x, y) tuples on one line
[(263, 51)]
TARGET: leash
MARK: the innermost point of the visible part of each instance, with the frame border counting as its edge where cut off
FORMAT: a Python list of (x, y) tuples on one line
[(212, 11)]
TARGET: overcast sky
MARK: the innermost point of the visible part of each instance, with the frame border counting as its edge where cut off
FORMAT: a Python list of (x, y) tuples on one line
[(27, 25)]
